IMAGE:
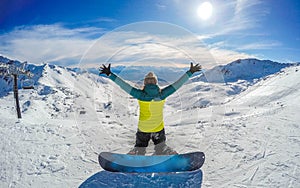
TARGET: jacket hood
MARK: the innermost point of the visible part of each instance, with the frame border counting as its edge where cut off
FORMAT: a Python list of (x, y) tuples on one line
[(152, 90)]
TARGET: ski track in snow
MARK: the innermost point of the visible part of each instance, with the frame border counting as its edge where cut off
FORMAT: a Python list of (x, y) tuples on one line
[(251, 139)]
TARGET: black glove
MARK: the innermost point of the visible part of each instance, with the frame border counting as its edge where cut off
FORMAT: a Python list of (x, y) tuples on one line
[(105, 70), (195, 68)]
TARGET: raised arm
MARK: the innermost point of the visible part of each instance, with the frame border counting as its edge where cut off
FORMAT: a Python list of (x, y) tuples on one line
[(136, 93), (169, 90)]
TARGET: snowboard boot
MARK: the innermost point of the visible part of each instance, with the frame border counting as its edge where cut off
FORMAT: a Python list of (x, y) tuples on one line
[(137, 151), (163, 149)]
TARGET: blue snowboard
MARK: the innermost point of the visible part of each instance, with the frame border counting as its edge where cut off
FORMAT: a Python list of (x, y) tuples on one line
[(106, 179), (149, 164)]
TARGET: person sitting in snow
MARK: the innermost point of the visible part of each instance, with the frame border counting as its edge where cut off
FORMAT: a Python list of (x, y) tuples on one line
[(151, 100)]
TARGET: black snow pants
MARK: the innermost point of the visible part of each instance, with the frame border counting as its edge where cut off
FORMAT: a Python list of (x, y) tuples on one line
[(142, 139)]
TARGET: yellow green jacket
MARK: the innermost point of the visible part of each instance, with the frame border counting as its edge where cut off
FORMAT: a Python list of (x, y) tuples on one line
[(151, 101)]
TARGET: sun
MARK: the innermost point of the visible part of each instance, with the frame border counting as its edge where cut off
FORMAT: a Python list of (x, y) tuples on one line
[(205, 10)]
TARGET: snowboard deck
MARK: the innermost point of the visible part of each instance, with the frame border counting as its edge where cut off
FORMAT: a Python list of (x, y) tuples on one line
[(103, 179), (115, 162)]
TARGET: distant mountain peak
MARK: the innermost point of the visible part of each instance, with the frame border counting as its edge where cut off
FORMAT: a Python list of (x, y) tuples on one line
[(242, 69)]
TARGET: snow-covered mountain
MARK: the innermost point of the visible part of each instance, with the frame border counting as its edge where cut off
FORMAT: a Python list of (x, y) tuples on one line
[(243, 69), (248, 125)]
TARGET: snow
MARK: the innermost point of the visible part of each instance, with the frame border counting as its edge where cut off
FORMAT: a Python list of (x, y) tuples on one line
[(247, 125)]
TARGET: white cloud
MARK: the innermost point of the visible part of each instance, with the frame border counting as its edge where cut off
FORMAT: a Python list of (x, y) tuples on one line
[(105, 19), (161, 6), (47, 43), (128, 46), (223, 56), (248, 14), (134, 44), (246, 46), (260, 45)]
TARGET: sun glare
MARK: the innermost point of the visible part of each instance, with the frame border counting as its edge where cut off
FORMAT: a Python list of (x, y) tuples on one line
[(205, 10)]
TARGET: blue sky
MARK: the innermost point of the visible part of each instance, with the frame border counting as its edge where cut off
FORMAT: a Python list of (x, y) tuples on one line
[(94, 31)]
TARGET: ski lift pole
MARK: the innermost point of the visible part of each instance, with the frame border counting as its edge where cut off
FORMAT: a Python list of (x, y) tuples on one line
[(16, 95), (9, 69)]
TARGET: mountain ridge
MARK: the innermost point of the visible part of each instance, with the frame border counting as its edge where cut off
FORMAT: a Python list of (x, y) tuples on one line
[(241, 69)]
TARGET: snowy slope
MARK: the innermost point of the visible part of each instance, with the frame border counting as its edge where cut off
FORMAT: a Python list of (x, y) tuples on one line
[(249, 129), (259, 136)]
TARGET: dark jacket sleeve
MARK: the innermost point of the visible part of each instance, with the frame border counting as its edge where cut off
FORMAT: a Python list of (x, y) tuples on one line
[(169, 90), (136, 93)]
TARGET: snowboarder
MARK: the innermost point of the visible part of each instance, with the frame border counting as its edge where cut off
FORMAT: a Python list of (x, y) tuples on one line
[(151, 101)]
